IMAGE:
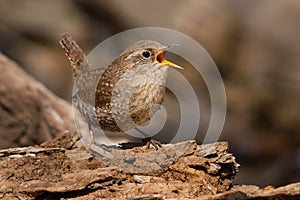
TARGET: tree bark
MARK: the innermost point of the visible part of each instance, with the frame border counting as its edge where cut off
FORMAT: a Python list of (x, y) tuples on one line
[(63, 169), (59, 169), (29, 113)]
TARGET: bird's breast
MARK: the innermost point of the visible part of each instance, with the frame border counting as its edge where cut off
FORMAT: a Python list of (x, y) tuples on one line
[(131, 100)]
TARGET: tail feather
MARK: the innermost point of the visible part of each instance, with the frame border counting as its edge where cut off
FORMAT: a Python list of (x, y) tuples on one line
[(74, 53)]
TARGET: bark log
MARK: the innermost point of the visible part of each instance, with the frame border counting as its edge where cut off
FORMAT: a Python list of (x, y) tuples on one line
[(63, 169), (29, 113), (59, 169)]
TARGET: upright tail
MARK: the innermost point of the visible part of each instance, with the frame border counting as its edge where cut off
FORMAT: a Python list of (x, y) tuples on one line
[(74, 53)]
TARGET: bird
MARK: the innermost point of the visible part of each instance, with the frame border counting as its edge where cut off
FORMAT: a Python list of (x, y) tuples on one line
[(128, 91)]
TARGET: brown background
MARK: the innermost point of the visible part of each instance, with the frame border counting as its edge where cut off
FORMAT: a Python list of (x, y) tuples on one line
[(255, 44)]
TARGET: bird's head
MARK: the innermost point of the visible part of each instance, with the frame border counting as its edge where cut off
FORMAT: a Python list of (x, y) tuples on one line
[(150, 52)]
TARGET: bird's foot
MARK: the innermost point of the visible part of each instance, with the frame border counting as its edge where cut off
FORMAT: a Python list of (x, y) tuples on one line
[(145, 142), (149, 141)]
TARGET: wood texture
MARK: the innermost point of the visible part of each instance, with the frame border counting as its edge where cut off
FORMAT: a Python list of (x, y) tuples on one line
[(49, 172), (29, 113), (63, 169)]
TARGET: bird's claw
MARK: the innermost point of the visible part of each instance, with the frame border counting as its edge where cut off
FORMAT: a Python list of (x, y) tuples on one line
[(149, 141)]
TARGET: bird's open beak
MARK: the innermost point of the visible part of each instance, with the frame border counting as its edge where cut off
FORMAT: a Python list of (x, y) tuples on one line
[(159, 58)]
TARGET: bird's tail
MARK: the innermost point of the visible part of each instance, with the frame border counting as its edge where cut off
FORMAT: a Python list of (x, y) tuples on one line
[(74, 53)]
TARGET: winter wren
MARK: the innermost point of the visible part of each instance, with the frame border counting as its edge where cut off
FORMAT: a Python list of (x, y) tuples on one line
[(129, 90)]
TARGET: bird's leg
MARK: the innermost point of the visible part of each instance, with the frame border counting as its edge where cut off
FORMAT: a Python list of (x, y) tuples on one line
[(91, 134)]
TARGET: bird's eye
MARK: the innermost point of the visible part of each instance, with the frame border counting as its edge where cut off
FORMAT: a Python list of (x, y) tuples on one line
[(146, 54)]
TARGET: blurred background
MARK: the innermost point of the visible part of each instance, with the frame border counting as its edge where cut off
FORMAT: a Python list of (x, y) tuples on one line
[(255, 45)]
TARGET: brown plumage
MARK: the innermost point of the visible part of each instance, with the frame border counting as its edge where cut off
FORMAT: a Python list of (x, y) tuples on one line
[(129, 90)]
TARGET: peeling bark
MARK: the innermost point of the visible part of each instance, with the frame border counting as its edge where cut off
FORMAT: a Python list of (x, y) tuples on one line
[(70, 171)]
